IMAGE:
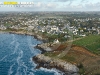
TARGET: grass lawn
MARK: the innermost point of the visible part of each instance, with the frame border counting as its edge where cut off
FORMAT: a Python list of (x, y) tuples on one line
[(91, 42)]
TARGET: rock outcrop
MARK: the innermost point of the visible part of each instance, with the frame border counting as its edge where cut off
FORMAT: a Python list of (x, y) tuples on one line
[(44, 47), (47, 62), (47, 47)]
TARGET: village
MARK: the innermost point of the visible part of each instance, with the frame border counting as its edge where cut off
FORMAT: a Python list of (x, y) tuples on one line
[(64, 25), (70, 40)]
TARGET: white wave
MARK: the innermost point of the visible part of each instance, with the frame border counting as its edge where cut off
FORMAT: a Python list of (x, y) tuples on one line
[(16, 47), (12, 60), (10, 70), (19, 57), (33, 65), (33, 46), (19, 61), (25, 73), (56, 72), (25, 68), (3, 58), (18, 73), (21, 54), (12, 42), (31, 73), (36, 51), (13, 39), (31, 62)]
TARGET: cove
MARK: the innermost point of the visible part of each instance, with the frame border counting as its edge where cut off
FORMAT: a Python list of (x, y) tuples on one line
[(16, 52)]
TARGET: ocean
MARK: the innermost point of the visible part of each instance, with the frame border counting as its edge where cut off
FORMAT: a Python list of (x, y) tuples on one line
[(16, 52)]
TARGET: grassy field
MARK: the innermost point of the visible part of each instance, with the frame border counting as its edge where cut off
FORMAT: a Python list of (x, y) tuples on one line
[(82, 54), (92, 43)]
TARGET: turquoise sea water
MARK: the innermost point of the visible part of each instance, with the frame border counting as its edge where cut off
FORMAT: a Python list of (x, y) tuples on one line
[(16, 52)]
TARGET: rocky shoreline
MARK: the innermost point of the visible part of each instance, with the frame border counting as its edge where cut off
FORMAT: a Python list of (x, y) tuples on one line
[(48, 62), (44, 47), (36, 36)]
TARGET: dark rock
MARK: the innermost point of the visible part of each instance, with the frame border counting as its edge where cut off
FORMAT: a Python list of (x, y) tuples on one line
[(48, 62)]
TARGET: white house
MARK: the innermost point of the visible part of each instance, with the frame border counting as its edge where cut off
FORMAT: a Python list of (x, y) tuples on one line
[(98, 30), (56, 41)]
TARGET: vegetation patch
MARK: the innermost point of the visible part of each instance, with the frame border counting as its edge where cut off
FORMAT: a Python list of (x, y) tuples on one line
[(91, 42)]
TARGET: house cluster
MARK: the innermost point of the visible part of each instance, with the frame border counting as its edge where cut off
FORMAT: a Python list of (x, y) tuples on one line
[(2, 27), (48, 25), (84, 20)]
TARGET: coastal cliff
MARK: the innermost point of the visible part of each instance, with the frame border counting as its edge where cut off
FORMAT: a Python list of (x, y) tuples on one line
[(48, 62)]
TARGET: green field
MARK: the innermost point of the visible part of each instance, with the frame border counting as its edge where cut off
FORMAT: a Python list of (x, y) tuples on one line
[(91, 42)]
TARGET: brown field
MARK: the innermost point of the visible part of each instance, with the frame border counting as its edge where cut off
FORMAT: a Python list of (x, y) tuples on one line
[(88, 62)]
